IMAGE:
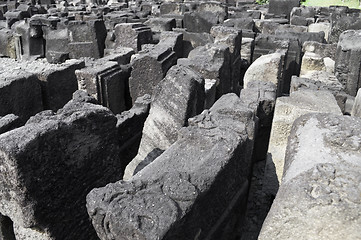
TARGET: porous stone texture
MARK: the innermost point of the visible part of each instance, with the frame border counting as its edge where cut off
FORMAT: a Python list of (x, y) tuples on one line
[(322, 49), (356, 109), (287, 110), (132, 35), (149, 67), (311, 62), (347, 67), (50, 164), (212, 61), (268, 68), (20, 93), (189, 190), (319, 197), (9, 122), (178, 97), (317, 80), (279, 7)]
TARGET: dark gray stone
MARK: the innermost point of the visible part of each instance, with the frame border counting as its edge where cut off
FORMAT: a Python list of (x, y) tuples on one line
[(9, 122), (132, 35), (149, 67), (87, 39), (192, 40), (282, 6), (179, 96), (6, 228), (212, 61), (347, 62), (195, 184), (20, 95), (59, 157)]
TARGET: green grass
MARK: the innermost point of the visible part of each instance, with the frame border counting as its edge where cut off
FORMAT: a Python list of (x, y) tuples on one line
[(326, 3)]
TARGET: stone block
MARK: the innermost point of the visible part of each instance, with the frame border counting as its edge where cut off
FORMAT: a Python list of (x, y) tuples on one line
[(206, 168), (87, 39), (348, 56), (210, 87), (179, 96), (311, 62), (7, 43), (149, 67), (317, 80), (57, 44), (267, 68), (9, 122), (199, 22), (193, 40), (172, 8), (283, 6), (319, 197), (132, 35), (20, 93), (121, 55), (161, 24), (287, 110), (322, 49), (320, 27), (212, 61), (59, 157), (342, 21), (174, 40), (356, 109), (106, 82)]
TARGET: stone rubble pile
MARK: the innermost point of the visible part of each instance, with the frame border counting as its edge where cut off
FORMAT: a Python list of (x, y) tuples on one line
[(179, 120)]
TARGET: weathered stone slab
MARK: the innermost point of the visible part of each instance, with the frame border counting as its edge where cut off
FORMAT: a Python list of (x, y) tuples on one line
[(132, 35), (348, 56), (267, 68), (212, 61), (287, 110), (149, 67), (322, 49), (321, 27), (87, 39), (9, 122), (260, 96), (317, 81), (105, 81), (121, 55), (7, 43), (206, 168), (319, 197), (192, 40), (179, 96), (173, 40), (356, 109), (282, 6), (161, 24), (59, 157), (20, 93)]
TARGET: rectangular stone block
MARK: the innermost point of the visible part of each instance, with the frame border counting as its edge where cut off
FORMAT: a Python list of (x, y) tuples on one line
[(206, 168), (319, 195), (49, 165), (132, 35)]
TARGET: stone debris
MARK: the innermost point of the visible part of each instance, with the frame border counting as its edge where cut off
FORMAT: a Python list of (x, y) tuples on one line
[(194, 101)]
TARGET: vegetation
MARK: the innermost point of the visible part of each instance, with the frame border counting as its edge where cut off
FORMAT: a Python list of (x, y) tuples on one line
[(261, 2), (326, 3)]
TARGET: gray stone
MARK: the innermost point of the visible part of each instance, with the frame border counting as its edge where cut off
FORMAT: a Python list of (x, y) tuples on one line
[(356, 109), (283, 6), (347, 67), (20, 94), (132, 35), (9, 122), (267, 68), (179, 96), (121, 55), (6, 228), (287, 110), (319, 197), (317, 81), (59, 157), (161, 24), (206, 168), (322, 49), (87, 39), (7, 43), (212, 61), (106, 82), (149, 67), (173, 40), (192, 40)]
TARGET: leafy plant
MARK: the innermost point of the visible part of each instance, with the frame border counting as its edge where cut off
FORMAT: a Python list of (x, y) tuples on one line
[(261, 2)]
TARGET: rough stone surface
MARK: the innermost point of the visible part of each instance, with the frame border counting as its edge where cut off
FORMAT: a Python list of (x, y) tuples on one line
[(319, 197), (317, 81), (322, 49), (20, 93), (287, 110), (149, 67), (347, 67), (206, 166), (356, 109), (268, 68), (9, 122), (50, 164), (179, 96)]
